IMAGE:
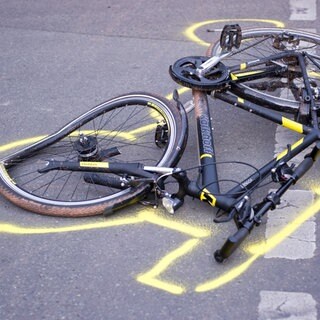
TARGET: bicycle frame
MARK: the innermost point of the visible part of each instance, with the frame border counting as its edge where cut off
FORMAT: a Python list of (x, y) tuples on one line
[(236, 202), (210, 190)]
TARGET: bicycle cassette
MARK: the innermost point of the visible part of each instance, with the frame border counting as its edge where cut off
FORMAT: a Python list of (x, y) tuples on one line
[(188, 73)]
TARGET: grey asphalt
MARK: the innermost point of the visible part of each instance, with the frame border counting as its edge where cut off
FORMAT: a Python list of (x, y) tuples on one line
[(57, 59)]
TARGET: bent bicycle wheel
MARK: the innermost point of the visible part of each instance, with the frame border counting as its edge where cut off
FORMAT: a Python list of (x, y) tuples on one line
[(286, 91), (137, 127)]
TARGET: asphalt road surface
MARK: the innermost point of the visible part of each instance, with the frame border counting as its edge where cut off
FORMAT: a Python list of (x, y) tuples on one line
[(60, 58)]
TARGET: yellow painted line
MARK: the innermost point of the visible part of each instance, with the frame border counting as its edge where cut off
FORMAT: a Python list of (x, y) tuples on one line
[(260, 249), (180, 91), (283, 153), (292, 125), (286, 232), (126, 135), (15, 229), (143, 216), (20, 143), (190, 32), (143, 129), (226, 277), (103, 133), (151, 277)]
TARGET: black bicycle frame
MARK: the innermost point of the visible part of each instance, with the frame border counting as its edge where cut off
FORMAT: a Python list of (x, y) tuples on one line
[(209, 190)]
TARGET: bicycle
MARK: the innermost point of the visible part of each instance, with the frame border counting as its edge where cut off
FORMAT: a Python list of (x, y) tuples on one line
[(122, 151)]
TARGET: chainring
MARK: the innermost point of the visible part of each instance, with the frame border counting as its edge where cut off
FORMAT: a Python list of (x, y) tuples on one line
[(185, 71)]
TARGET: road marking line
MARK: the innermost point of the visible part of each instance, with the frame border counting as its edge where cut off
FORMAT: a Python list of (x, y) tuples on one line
[(301, 244), (303, 9), (190, 32), (151, 277), (286, 305)]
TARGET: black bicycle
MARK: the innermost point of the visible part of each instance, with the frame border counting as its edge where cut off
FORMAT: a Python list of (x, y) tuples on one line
[(124, 150)]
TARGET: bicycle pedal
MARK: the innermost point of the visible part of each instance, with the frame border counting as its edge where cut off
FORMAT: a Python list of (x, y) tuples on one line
[(231, 36)]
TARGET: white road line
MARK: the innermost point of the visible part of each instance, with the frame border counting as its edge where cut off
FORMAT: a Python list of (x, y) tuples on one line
[(303, 9), (287, 305)]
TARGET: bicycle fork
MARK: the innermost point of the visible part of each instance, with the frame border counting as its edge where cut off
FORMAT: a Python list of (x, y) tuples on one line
[(269, 203)]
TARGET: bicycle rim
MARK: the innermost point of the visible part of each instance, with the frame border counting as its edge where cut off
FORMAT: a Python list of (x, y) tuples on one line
[(123, 129), (284, 92)]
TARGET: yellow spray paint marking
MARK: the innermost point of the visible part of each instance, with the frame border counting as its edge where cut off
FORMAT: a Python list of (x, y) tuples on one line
[(151, 277), (142, 216), (180, 91), (259, 250), (190, 32), (20, 143), (130, 135), (226, 277), (288, 230), (104, 133), (15, 229)]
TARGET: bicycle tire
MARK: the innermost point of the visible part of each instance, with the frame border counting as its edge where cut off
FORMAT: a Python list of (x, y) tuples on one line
[(128, 122), (263, 42)]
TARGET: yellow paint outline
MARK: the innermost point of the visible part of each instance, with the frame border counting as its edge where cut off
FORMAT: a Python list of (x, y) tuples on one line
[(190, 32), (152, 276), (128, 135), (258, 250)]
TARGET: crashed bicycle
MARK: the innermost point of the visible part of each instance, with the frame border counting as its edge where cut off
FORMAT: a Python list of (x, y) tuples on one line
[(124, 150)]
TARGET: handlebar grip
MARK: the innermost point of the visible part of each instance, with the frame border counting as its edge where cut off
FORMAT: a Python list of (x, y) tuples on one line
[(231, 244)]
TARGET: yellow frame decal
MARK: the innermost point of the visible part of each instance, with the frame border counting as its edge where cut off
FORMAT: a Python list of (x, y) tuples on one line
[(285, 152), (292, 125)]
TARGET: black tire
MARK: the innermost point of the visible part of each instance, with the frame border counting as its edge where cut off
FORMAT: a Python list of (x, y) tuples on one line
[(123, 129), (285, 93), (218, 257)]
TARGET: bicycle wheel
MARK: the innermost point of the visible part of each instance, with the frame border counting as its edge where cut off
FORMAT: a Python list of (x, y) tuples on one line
[(285, 92), (137, 127)]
